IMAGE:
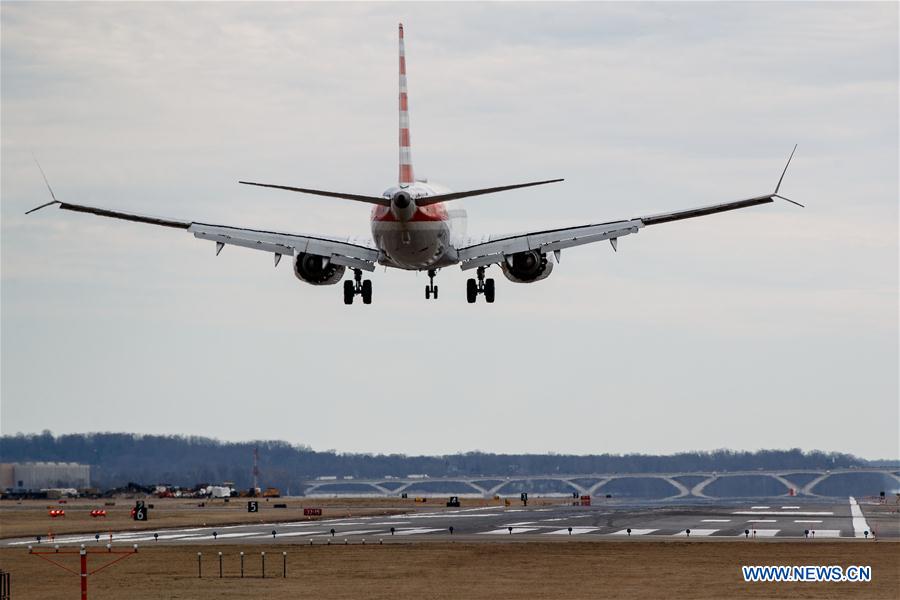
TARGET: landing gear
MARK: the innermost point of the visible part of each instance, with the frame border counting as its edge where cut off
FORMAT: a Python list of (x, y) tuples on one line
[(431, 290), (481, 286), (358, 286)]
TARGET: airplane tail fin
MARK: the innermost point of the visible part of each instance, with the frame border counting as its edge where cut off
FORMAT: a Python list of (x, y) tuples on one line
[(407, 177)]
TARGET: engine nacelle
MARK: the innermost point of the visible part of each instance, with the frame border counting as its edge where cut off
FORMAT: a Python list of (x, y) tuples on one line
[(317, 270), (526, 267)]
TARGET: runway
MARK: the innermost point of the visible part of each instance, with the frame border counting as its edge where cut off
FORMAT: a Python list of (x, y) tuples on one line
[(774, 519)]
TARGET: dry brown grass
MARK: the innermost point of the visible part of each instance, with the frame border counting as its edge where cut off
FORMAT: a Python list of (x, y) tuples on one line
[(463, 570)]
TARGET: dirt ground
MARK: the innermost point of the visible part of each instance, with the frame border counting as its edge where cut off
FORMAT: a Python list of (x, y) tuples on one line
[(445, 570)]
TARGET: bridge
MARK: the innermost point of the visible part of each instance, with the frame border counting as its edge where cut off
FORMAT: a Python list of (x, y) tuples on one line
[(799, 482)]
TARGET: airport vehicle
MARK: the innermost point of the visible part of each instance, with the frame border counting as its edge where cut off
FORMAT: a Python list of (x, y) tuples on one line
[(416, 226)]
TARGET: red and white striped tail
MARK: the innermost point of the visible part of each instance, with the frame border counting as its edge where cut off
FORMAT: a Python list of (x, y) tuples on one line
[(406, 169)]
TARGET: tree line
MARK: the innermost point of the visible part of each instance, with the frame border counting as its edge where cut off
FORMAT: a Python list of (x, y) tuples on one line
[(118, 458)]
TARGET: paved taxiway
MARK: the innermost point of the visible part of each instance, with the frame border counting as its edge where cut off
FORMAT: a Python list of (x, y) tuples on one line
[(780, 518)]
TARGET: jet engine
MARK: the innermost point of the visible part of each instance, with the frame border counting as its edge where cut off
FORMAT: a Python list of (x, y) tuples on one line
[(317, 270), (526, 267)]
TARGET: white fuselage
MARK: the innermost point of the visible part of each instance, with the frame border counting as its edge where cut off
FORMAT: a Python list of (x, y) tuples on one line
[(413, 237)]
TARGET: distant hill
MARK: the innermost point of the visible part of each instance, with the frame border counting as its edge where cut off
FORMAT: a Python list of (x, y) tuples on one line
[(118, 458)]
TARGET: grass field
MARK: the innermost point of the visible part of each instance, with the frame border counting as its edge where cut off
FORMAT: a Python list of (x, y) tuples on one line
[(445, 570)]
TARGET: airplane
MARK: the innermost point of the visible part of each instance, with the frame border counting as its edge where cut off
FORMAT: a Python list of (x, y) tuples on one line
[(415, 228)]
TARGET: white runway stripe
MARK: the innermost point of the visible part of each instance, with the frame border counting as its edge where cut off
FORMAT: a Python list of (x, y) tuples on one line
[(698, 532), (790, 507), (575, 531), (758, 507), (506, 531), (716, 521), (860, 526), (762, 521), (416, 531), (792, 513), (807, 520), (764, 532), (635, 532), (828, 533)]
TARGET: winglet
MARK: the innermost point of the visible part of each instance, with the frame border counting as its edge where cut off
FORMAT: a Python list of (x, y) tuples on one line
[(780, 179), (52, 195)]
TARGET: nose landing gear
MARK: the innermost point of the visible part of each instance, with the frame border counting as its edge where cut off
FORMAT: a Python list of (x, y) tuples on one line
[(431, 290), (481, 286), (358, 286)]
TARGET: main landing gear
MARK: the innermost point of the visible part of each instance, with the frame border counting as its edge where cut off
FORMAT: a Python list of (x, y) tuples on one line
[(358, 286), (431, 290), (482, 286)]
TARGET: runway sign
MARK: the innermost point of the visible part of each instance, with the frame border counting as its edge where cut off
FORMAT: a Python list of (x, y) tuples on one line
[(312, 512), (252, 506)]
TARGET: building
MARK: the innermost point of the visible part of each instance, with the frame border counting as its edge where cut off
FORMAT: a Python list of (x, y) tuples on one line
[(35, 476)]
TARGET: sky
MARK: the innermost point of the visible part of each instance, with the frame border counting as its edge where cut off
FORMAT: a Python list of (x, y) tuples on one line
[(771, 327)]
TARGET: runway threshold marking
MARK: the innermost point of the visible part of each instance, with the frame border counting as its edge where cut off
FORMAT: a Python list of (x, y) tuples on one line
[(416, 531), (634, 532), (763, 533), (860, 525), (697, 532), (575, 531), (828, 533), (506, 531)]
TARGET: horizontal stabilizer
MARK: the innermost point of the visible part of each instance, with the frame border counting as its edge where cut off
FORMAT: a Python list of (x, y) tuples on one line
[(367, 199), (457, 195)]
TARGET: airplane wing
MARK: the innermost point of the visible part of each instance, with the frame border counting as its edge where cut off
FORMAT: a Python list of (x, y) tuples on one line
[(346, 253), (495, 250)]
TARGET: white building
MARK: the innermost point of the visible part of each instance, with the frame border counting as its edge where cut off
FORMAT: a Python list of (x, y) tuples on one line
[(34, 476)]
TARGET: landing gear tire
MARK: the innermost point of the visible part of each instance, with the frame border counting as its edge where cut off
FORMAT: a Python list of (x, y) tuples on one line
[(349, 292), (358, 286), (471, 291), (489, 291), (431, 289)]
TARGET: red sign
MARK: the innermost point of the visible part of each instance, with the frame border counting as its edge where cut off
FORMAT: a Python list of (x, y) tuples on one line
[(312, 512), (585, 500)]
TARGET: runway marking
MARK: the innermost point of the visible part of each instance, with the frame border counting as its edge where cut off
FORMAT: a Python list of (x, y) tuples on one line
[(506, 531), (520, 524), (416, 531), (556, 519), (575, 531), (634, 532), (790, 507), (354, 532), (759, 507), (860, 526), (807, 520), (716, 521), (296, 533), (444, 516), (762, 521), (697, 532), (389, 523), (776, 513), (223, 535), (764, 532), (827, 533)]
